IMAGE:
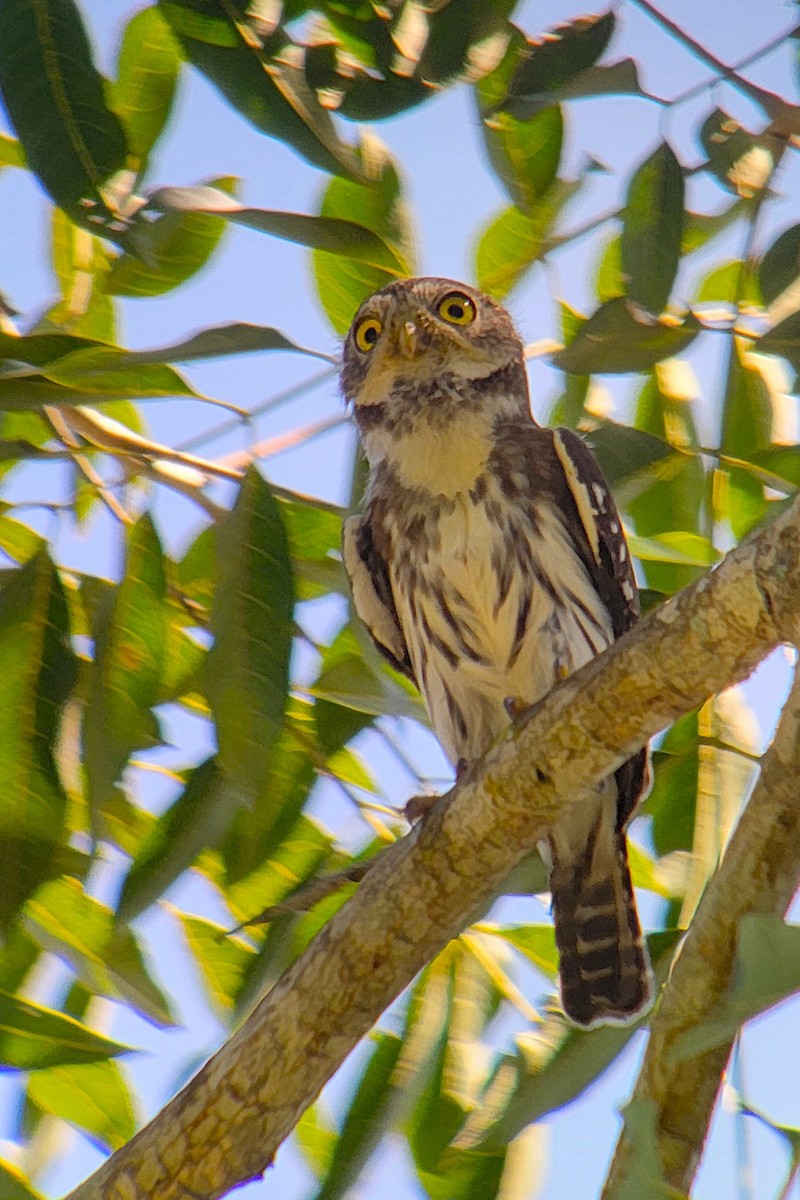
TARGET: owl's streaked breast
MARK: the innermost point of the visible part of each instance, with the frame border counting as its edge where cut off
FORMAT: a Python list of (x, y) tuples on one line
[(492, 606)]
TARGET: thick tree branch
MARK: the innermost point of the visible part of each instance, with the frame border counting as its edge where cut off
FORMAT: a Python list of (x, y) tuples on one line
[(227, 1123), (759, 874)]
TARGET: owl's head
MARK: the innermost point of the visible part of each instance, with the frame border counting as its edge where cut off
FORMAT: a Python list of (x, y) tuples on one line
[(417, 330)]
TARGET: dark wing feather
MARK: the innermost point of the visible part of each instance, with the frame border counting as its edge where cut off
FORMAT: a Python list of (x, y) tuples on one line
[(372, 592), (605, 553)]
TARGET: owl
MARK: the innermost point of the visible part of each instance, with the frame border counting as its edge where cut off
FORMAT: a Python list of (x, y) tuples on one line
[(489, 563)]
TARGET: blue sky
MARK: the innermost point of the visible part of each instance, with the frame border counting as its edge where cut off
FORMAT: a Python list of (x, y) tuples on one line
[(268, 282)]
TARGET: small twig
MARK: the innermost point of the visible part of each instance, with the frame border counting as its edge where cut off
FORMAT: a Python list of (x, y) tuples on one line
[(772, 105), (309, 894), (84, 464), (241, 459)]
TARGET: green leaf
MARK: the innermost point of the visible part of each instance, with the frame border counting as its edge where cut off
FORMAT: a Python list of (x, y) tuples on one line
[(743, 162), (79, 929), (368, 686), (19, 541), (194, 821), (623, 450), (148, 63), (621, 337), (80, 260), (38, 349), (337, 235), (700, 228), (723, 285), (687, 549), (248, 667), (219, 341), (54, 97), (366, 1118), (609, 277), (284, 859), (11, 154), (525, 154), (272, 93), (780, 266), (379, 207), (513, 241), (222, 960), (315, 537), (653, 229), (130, 647), (536, 942), (14, 1185), (546, 66), (171, 249), (783, 339), (766, 971), (38, 670), (747, 418), (33, 1037), (92, 1096), (104, 370)]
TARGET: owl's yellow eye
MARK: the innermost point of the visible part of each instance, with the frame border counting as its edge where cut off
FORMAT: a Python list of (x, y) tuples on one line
[(367, 333), (457, 308)]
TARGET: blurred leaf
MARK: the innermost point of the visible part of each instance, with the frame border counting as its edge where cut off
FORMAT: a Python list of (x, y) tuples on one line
[(652, 230), (723, 285), (673, 796), (337, 235), (101, 370), (316, 1139), (525, 154), (54, 97), (281, 866), (513, 241), (377, 205), (11, 154), (38, 670), (462, 37), (609, 278), (195, 820), (221, 959), (621, 337), (780, 265), (80, 260), (700, 228), (766, 970), (366, 1118), (536, 942), (624, 450), (555, 1062), (172, 248), (747, 418), (783, 339), (37, 349), (33, 1037), (79, 929), (92, 1096), (688, 549), (18, 955), (346, 678), (218, 341), (19, 541), (248, 667), (14, 1185), (315, 535), (130, 644), (546, 66), (271, 92), (147, 74), (743, 162)]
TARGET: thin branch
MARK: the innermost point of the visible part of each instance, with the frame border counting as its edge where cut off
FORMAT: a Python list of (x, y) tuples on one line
[(759, 874), (226, 1125)]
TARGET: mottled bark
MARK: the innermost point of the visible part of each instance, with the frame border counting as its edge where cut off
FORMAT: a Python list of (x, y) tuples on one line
[(759, 874), (227, 1123)]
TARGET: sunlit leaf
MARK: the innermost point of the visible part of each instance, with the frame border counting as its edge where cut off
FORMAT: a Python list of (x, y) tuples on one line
[(38, 670), (76, 927), (780, 265), (147, 73), (11, 154), (55, 99), (222, 960), (33, 1037), (513, 241), (248, 668), (652, 229), (92, 1096)]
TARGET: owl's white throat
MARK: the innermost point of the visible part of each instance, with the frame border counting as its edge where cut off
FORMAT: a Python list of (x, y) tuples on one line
[(442, 460)]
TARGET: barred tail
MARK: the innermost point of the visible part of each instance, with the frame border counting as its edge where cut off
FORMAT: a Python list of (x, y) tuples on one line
[(605, 970)]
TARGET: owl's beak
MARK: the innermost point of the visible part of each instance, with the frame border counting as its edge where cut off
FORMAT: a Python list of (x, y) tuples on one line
[(406, 339)]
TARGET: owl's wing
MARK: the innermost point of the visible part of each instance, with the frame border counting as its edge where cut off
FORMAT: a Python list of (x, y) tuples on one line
[(372, 592), (600, 541), (597, 533)]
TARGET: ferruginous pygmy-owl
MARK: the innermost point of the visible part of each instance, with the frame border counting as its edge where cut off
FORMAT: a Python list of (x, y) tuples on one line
[(490, 563)]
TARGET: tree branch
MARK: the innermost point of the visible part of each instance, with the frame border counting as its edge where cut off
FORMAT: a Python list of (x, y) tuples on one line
[(228, 1122), (759, 874)]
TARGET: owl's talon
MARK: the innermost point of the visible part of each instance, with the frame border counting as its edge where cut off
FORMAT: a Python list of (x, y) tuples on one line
[(516, 707)]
